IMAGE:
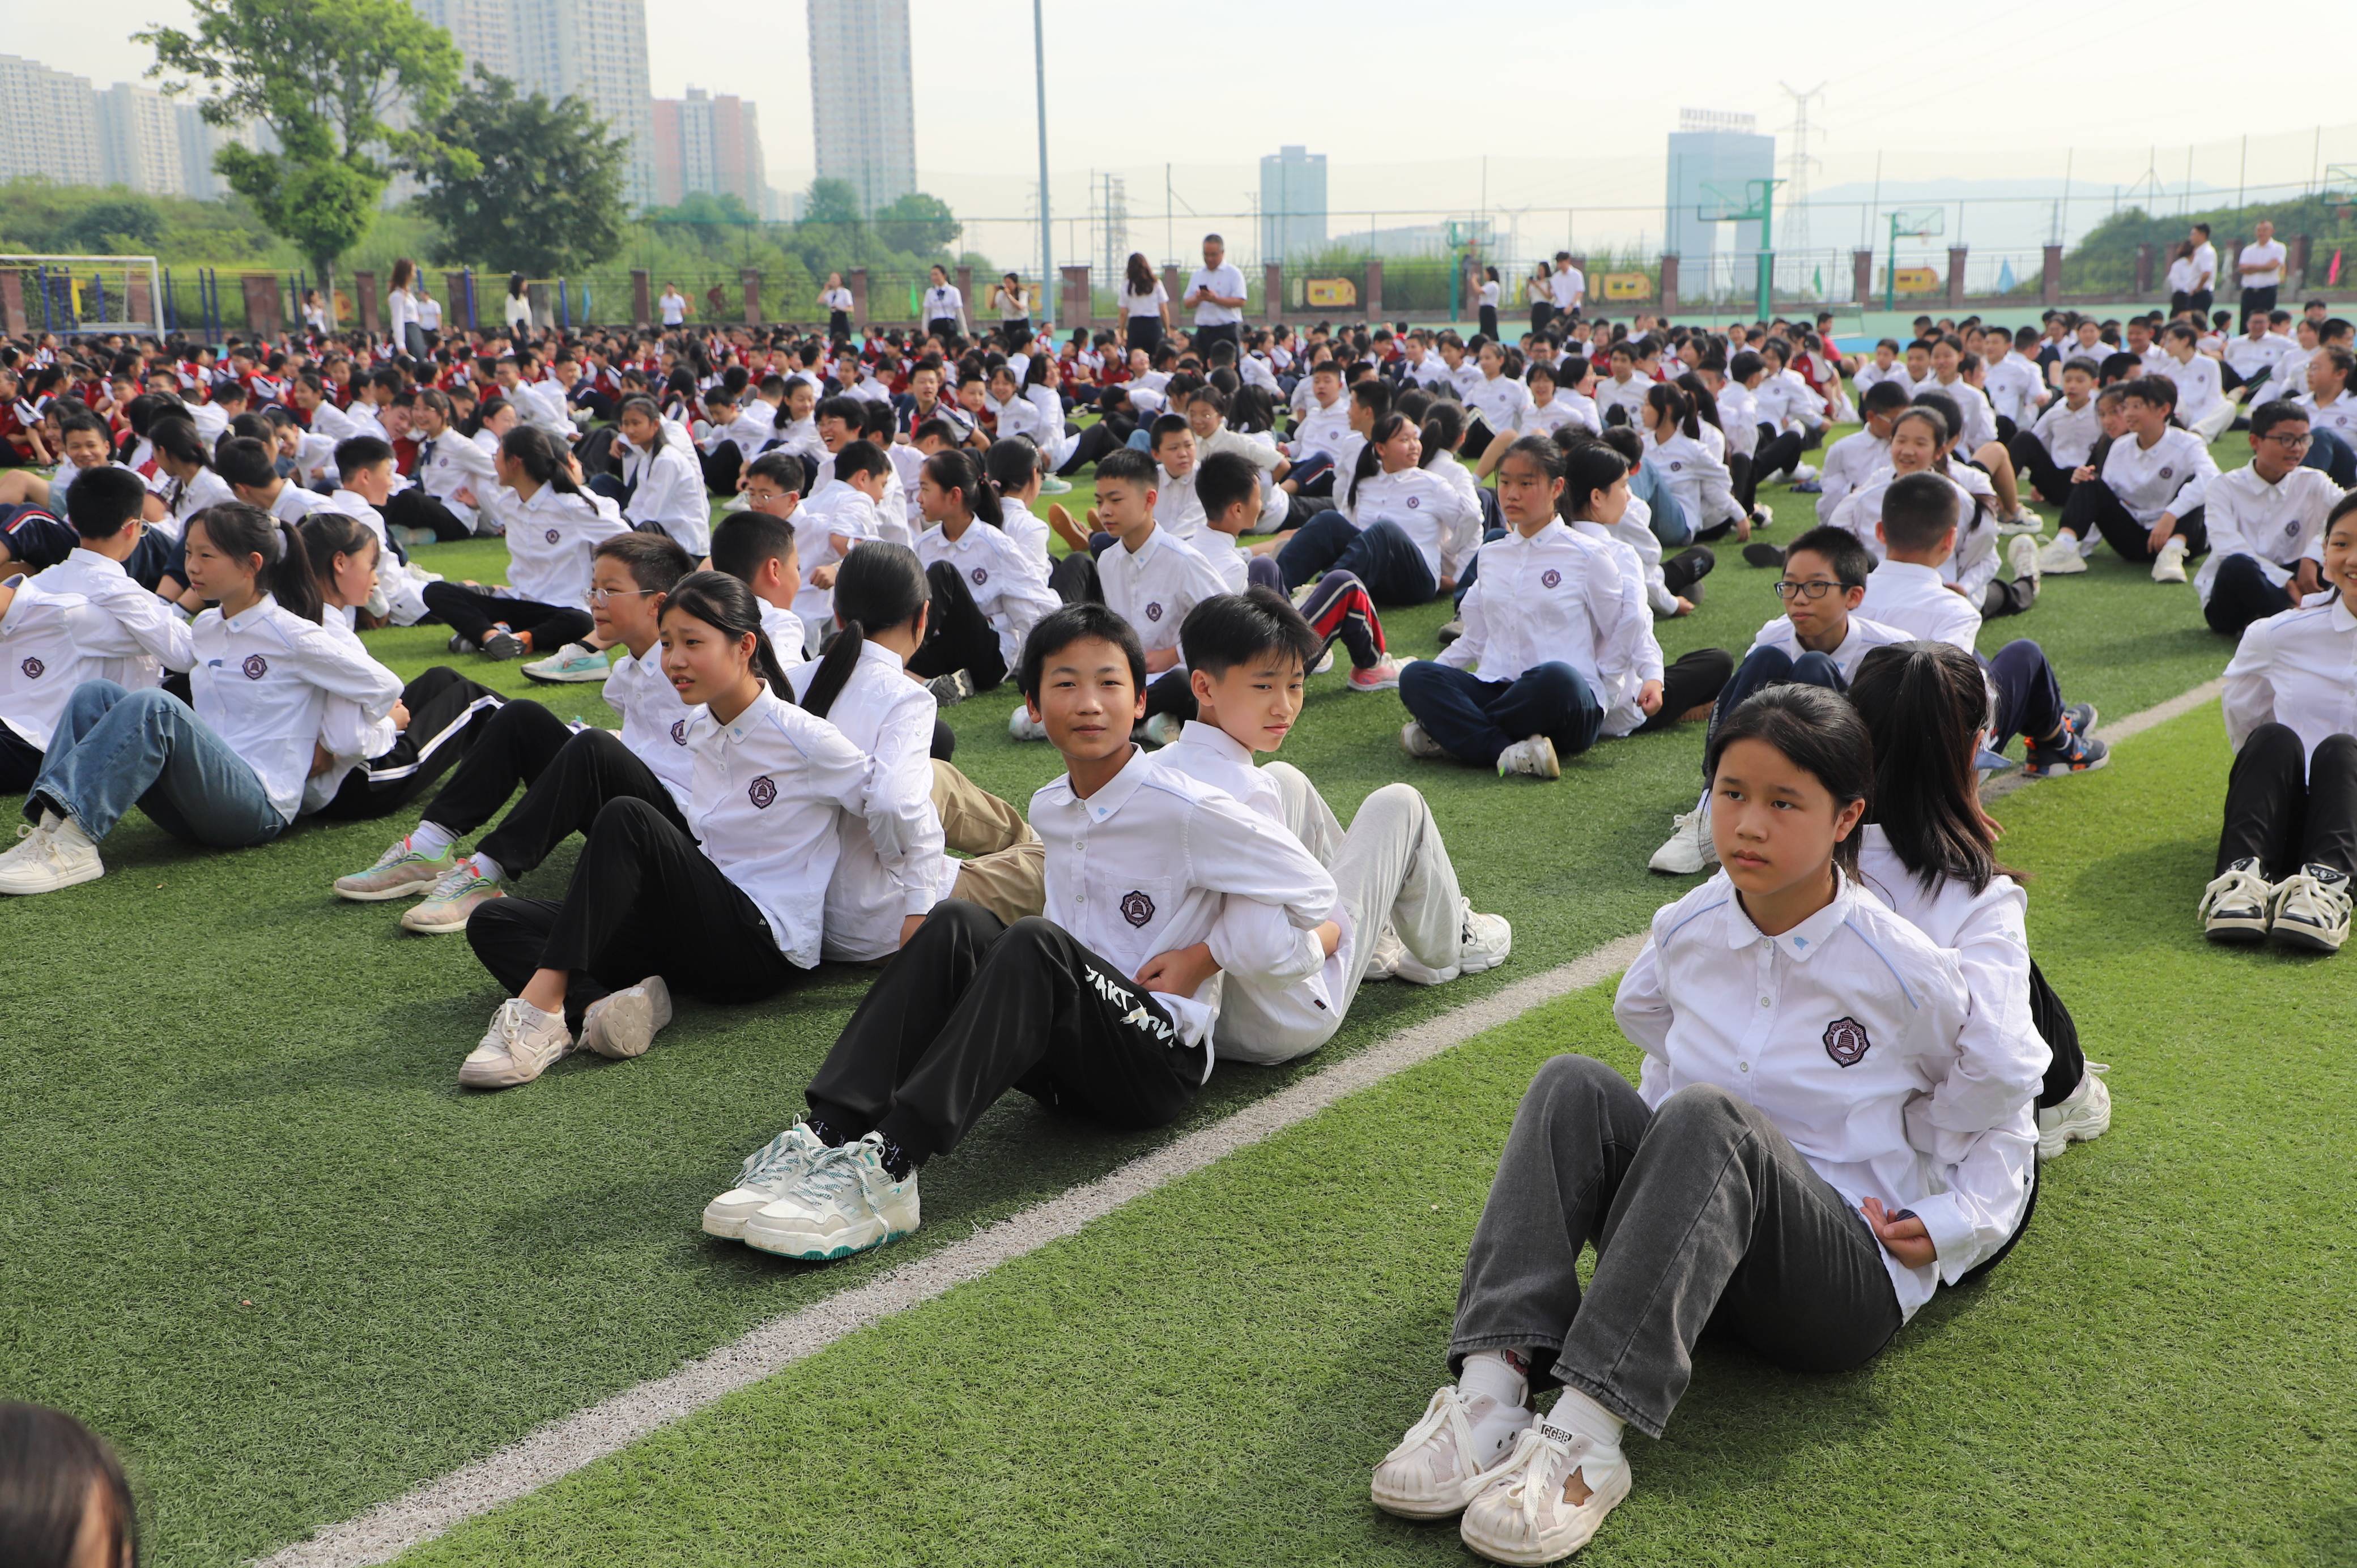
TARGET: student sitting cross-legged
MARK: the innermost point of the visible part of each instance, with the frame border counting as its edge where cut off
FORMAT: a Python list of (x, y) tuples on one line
[(2266, 524), (1397, 911), (724, 905), (988, 588), (1104, 1007), (2148, 495), (552, 527), (1824, 1134)]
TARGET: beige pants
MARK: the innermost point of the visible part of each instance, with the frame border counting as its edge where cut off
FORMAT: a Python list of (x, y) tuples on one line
[(1007, 869)]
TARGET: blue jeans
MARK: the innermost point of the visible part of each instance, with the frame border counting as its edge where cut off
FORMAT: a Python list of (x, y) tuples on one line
[(1381, 557), (1671, 524), (1766, 666), (2329, 452), (1474, 719), (114, 749)]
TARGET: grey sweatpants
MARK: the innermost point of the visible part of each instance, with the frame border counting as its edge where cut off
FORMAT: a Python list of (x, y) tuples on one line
[(1702, 1214)]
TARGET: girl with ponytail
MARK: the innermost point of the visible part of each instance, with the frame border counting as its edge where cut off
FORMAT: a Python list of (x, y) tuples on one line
[(235, 770), (727, 908), (1402, 530), (554, 527), (1014, 470), (987, 589), (1674, 446)]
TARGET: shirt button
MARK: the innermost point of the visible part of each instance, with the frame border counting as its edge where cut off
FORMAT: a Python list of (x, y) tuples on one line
[(1765, 1003), (1743, 1067)]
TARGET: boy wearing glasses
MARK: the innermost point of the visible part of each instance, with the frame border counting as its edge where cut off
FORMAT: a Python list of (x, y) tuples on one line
[(2266, 525)]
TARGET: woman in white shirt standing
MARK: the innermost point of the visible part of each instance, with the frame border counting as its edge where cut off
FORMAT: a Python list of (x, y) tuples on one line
[(1819, 1140), (944, 308), (836, 301), (730, 914), (1490, 291), (1145, 304), (516, 309), (2288, 849), (232, 773), (1014, 302), (315, 313), (401, 310)]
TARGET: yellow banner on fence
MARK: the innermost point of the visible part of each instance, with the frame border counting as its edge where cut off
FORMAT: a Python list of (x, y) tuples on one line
[(1917, 280), (1328, 291), (1627, 285)]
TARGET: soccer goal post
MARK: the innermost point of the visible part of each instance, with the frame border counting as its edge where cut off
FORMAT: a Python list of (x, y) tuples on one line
[(81, 296)]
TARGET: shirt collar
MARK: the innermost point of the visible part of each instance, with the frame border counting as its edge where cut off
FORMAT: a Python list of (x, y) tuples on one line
[(1802, 940), (874, 652), (91, 561), (2341, 619), (1216, 741), (1555, 532), (1117, 790), (254, 612), (746, 722), (1912, 572)]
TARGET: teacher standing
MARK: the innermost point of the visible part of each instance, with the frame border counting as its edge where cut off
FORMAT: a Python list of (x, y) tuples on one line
[(1217, 292)]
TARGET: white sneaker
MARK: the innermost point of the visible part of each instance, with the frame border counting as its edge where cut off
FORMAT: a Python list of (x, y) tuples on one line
[(1524, 1517), (1449, 1457), (2022, 522), (1688, 848), (54, 855), (2236, 904), (2085, 1116), (1535, 758), (574, 663), (768, 1174), (1418, 742), (1385, 962), (2168, 566), (451, 901), (1483, 942), (2061, 557), (1325, 663), (1161, 729), (1021, 726), (845, 1203), (2022, 555), (1802, 473), (521, 1043), (2311, 909), (623, 1025)]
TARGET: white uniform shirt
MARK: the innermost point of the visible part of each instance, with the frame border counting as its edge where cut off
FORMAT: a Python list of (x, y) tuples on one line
[(82, 619), (1227, 279), (2070, 434), (184, 501), (1862, 638), (1143, 867), (1700, 481), (2205, 267), (293, 503), (2248, 355), (1640, 593), (1553, 596), (2298, 669), (1175, 508), (262, 680), (668, 491), (1739, 418), (827, 511), (1871, 374), (2199, 388), (654, 721), (1917, 601), (1565, 286), (1323, 429), (1503, 403), (1628, 396), (2269, 254), (1008, 583), (2274, 524), (1850, 1032), (449, 463), (1980, 420), (2340, 415), (945, 303), (2014, 388), (1564, 408), (1847, 464), (1144, 304), (1431, 512), (1154, 586), (1028, 529), (2170, 476), (890, 717), (550, 540)]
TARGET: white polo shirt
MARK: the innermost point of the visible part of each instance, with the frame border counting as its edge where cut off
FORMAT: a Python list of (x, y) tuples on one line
[(1917, 601), (82, 619), (2275, 524), (2272, 255), (1555, 595), (2170, 476)]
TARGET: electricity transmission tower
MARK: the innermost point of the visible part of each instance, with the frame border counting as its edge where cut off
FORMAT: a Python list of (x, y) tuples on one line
[(1796, 166), (1113, 222)]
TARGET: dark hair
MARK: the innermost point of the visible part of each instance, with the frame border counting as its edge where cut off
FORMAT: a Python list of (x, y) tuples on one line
[(1665, 397), (1125, 463), (1058, 629), (1386, 427), (1819, 732), (1140, 273), (1918, 510), (861, 456), (103, 501), (1924, 704), (954, 468), (1587, 466), (1224, 479), (357, 451), (1376, 393), (1011, 463), (849, 410), (175, 438), (1539, 449), (328, 533), (878, 586), (782, 469), (726, 604), (742, 541), (543, 461), (2264, 418), (1227, 631), (2157, 391), (1443, 427), (1842, 551), (50, 1465), (1882, 397), (238, 531), (655, 561)]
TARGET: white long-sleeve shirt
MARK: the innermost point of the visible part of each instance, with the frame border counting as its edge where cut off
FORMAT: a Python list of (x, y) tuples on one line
[(2070, 434), (1503, 403), (1699, 480), (1848, 464), (82, 619), (1431, 512), (2170, 476), (2275, 524), (1634, 630), (1972, 565), (449, 463), (2198, 386), (2298, 669), (655, 722), (262, 680), (1917, 600), (2014, 388), (1980, 420), (552, 540), (1861, 638), (1008, 583), (668, 491), (1153, 585), (1851, 1032), (1552, 597)]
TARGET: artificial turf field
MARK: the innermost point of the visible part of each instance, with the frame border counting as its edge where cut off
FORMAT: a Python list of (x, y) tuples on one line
[(252, 1230)]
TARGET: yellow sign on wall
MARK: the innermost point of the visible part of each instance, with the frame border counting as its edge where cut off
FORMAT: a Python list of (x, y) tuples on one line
[(1627, 285), (1329, 292), (1917, 280)]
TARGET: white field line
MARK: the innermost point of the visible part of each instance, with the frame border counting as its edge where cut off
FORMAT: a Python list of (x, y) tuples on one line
[(555, 1451)]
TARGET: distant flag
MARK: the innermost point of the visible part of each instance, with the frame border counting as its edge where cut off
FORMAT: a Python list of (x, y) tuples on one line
[(2005, 278), (1817, 283), (2333, 273)]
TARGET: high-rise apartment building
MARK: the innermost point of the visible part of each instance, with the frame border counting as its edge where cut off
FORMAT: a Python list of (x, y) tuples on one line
[(710, 144), (48, 123), (1292, 203), (139, 141), (863, 106)]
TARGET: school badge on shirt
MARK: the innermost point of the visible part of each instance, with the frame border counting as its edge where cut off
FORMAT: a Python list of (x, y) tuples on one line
[(1550, 578), (32, 669), (763, 793), (1136, 909), (1846, 1042), (255, 667), (980, 576), (1153, 612)]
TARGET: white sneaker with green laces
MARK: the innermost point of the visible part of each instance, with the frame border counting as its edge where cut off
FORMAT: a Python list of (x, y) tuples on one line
[(624, 1023), (456, 897), (768, 1174), (521, 1043), (1449, 1457), (2311, 909), (1548, 1498), (56, 854), (574, 663), (845, 1203), (400, 872)]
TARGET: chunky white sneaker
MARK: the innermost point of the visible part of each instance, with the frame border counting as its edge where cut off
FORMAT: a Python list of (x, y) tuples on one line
[(400, 872), (2082, 1117), (769, 1173), (521, 1043), (845, 1203), (2061, 558), (1533, 758), (2311, 909), (1449, 1457), (461, 890), (54, 855), (2236, 904), (2168, 566), (574, 663), (2023, 522), (1324, 661), (1483, 942), (1385, 962), (1021, 726), (624, 1023), (1418, 742), (1528, 1513), (1384, 675), (1688, 848), (2022, 555)]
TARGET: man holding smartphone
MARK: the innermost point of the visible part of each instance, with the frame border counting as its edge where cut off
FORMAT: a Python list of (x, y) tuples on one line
[(1217, 292)]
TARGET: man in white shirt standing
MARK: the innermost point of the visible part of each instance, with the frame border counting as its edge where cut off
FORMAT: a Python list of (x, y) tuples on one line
[(674, 308), (1217, 292), (2262, 270), (1567, 287), (2204, 292)]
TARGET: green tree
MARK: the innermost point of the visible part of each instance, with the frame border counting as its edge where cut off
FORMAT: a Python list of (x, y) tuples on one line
[(118, 223), (832, 203), (537, 187), (327, 78), (918, 223)]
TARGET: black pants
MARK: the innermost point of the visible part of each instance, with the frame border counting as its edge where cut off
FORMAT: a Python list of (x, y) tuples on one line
[(958, 636), (1478, 435), (721, 467), (1146, 332), (1693, 680), (568, 776), (413, 508), (2094, 508), (1490, 322), (2061, 1033), (972, 1008), (944, 328), (1014, 334), (1688, 567), (2029, 697), (644, 900), (2033, 462), (2288, 810), (2241, 594), (1227, 332), (447, 712), (1772, 453), (20, 762), (472, 612), (1074, 578), (2256, 300), (1108, 434)]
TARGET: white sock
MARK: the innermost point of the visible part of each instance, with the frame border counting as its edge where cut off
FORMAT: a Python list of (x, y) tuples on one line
[(1488, 1372), (430, 839), (2066, 536), (1581, 1416), (487, 868)]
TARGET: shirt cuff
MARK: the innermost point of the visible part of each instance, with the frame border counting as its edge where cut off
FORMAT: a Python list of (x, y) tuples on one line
[(1951, 1231)]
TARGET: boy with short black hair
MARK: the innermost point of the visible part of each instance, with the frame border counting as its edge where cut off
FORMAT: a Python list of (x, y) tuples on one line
[(2266, 522), (1175, 506), (756, 548), (2149, 503)]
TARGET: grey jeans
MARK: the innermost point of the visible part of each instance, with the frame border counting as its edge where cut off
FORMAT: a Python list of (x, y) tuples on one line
[(1702, 1214)]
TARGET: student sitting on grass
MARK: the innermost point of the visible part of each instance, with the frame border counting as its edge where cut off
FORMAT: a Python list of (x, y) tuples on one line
[(1925, 850), (364, 466), (837, 515), (755, 546), (1919, 440), (1398, 908), (570, 773), (2289, 848), (2048, 452), (2149, 503), (232, 773), (1103, 1006), (1671, 587), (1803, 1175), (552, 528), (2266, 524), (1401, 529), (84, 619), (1857, 456), (722, 900), (988, 589), (1696, 475)]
